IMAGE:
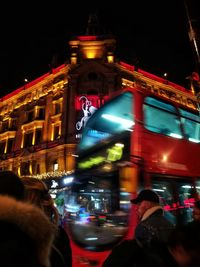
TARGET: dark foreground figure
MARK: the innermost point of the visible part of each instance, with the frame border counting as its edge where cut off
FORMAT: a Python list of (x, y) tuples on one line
[(181, 250)]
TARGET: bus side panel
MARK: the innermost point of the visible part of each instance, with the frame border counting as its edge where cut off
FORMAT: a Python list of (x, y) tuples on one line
[(167, 155)]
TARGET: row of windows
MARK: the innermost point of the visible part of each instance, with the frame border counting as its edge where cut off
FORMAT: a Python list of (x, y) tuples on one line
[(37, 113), (30, 139), (117, 116), (164, 118), (33, 167)]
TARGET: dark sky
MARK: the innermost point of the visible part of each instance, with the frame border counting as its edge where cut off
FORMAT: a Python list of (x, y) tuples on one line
[(151, 33)]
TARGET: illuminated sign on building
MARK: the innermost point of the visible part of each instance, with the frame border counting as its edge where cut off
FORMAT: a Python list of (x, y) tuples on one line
[(85, 107), (87, 110)]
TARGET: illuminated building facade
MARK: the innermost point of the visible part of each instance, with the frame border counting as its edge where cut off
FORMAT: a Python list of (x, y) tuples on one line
[(41, 122)]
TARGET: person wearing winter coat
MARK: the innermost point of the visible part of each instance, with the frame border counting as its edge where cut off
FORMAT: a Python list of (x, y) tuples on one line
[(36, 192), (26, 235), (153, 228), (150, 239)]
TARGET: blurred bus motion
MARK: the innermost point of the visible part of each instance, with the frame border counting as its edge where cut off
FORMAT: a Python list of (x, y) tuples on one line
[(140, 138)]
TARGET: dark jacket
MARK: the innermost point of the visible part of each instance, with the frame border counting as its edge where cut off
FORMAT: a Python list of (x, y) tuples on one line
[(154, 228), (130, 254), (61, 255), (26, 234)]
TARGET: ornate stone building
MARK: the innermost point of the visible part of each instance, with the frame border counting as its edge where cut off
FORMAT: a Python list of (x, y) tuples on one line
[(41, 122)]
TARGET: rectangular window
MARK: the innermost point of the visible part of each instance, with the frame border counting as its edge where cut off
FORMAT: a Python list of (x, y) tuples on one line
[(13, 125), (25, 168), (5, 126), (176, 197), (191, 125), (2, 147), (56, 132), (41, 114), (38, 136), (30, 116), (28, 137), (10, 145), (160, 117), (115, 117), (57, 108)]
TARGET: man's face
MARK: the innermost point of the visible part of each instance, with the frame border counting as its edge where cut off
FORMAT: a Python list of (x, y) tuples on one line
[(142, 207)]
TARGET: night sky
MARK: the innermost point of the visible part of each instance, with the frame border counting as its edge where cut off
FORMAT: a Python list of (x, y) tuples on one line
[(150, 34)]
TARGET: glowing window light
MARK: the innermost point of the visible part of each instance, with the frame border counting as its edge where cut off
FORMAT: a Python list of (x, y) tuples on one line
[(55, 166), (186, 186), (159, 190), (68, 180), (189, 186), (124, 122), (194, 140), (91, 238), (119, 145), (176, 135)]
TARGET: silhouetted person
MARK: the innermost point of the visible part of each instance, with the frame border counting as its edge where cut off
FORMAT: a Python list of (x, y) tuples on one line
[(181, 250), (184, 245), (36, 192), (151, 236), (153, 228), (26, 234)]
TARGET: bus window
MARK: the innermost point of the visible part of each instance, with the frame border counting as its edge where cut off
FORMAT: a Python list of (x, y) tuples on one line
[(111, 119), (191, 125), (197, 186), (161, 117), (177, 198), (98, 212)]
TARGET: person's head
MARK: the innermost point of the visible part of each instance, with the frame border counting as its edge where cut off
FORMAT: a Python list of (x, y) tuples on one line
[(11, 185), (196, 211), (145, 200), (36, 192), (184, 244)]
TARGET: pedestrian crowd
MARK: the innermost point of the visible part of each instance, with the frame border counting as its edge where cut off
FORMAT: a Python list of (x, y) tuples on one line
[(30, 234), (157, 242)]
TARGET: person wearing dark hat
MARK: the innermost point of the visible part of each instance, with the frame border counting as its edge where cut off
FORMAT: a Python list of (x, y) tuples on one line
[(153, 228), (196, 211), (149, 245), (26, 235)]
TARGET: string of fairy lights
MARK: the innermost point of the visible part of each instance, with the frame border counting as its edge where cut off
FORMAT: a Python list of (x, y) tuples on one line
[(53, 174)]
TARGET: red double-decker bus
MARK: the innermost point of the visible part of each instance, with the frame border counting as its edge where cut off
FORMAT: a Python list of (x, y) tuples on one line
[(140, 138)]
